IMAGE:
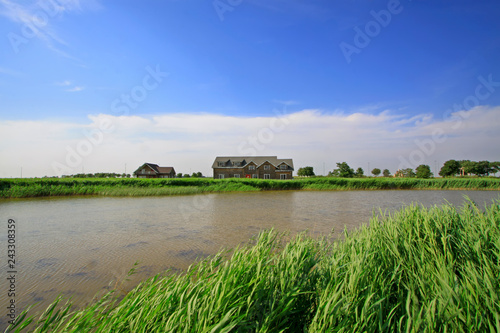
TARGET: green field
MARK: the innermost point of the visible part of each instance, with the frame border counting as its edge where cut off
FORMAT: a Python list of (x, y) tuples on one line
[(25, 188), (418, 270)]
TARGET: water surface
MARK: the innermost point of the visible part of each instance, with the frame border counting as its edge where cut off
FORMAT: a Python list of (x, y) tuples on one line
[(80, 247)]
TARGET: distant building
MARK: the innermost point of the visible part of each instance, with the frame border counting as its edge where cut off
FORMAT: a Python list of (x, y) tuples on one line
[(263, 167), (150, 170)]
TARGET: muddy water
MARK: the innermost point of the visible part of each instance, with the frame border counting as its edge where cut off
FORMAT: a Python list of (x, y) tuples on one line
[(82, 247)]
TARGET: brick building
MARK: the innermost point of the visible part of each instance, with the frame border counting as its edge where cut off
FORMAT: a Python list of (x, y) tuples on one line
[(263, 167)]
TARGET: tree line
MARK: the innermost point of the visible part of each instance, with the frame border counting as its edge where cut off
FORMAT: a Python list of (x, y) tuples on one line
[(98, 175), (186, 175), (469, 168), (450, 168), (123, 175)]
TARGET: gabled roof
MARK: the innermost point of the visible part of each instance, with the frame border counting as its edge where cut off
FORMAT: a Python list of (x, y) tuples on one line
[(257, 160), (165, 169), (157, 169)]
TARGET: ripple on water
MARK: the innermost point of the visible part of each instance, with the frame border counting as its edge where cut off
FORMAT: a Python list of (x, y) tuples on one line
[(79, 247)]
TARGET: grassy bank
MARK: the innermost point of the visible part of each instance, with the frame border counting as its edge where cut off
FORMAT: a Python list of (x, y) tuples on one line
[(419, 270), (24, 188)]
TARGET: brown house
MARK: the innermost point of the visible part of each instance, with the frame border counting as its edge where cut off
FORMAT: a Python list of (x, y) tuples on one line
[(263, 167), (150, 170)]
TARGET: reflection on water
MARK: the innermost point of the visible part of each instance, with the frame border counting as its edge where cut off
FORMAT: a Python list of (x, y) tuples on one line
[(80, 247)]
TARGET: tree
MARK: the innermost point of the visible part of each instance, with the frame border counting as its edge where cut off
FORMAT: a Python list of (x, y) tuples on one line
[(483, 168), (344, 170), (495, 166), (334, 173), (386, 173), (407, 173), (359, 172), (179, 175), (186, 175), (450, 168), (423, 171), (376, 172), (469, 167), (306, 171)]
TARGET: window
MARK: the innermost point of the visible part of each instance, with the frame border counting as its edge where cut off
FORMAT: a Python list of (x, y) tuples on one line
[(267, 176), (267, 167), (283, 176), (236, 176), (251, 167), (221, 164), (236, 163), (221, 176), (254, 175), (283, 167)]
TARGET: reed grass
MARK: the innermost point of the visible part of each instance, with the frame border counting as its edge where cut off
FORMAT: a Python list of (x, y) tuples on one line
[(24, 188), (418, 270)]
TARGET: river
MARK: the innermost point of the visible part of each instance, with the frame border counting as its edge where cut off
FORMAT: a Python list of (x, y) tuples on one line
[(81, 247)]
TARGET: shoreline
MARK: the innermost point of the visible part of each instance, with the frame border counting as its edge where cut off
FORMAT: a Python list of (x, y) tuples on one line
[(32, 188), (385, 270)]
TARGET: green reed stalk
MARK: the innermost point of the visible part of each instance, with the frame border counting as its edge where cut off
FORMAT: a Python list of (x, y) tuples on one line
[(417, 270), (24, 188)]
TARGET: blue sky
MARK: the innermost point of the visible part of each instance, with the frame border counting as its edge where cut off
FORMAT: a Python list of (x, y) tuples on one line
[(367, 82)]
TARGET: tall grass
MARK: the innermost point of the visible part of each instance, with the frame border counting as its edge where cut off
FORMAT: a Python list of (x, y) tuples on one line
[(22, 188), (418, 270)]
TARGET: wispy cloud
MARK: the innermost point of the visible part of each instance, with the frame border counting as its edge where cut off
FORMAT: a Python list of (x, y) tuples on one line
[(70, 86), (36, 19), (75, 89), (8, 71), (64, 83), (191, 141)]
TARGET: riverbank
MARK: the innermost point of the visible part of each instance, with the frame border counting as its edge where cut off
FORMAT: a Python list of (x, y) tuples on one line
[(420, 269), (46, 187)]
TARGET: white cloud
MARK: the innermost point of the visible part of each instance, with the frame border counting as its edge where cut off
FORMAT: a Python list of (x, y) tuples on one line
[(71, 87), (75, 89), (65, 83), (36, 18), (190, 142)]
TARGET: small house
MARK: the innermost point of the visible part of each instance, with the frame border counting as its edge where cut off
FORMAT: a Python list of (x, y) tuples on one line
[(150, 170)]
